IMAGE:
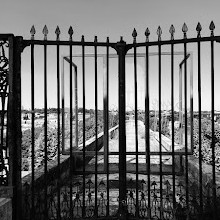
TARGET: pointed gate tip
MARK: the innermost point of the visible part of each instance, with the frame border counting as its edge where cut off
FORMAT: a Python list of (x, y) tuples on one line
[(172, 31), (159, 33), (70, 32), (33, 32), (57, 32), (134, 33), (184, 28), (45, 32), (212, 28), (198, 29), (147, 32)]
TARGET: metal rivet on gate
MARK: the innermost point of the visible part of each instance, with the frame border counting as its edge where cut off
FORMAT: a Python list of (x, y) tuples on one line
[(212, 28), (172, 31), (70, 32), (198, 29), (45, 32), (184, 29), (147, 34), (33, 32), (159, 33), (57, 32)]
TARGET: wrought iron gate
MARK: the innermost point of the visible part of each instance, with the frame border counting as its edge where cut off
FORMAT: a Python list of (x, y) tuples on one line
[(66, 179)]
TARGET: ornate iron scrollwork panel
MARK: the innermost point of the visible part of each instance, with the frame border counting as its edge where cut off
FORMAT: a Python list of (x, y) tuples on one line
[(4, 71)]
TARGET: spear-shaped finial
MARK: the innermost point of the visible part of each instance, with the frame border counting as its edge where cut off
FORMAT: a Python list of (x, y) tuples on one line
[(172, 31), (33, 32), (82, 39), (212, 28), (45, 32), (95, 39), (70, 32), (159, 33), (134, 35), (57, 32), (147, 34), (198, 29), (184, 30), (107, 40)]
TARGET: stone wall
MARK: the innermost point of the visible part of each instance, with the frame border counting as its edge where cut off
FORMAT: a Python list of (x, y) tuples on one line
[(5, 209), (53, 170)]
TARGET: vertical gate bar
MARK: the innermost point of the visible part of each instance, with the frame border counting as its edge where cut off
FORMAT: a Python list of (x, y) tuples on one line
[(160, 144), (76, 108), (121, 50), (84, 121), (172, 112), (106, 120), (63, 107), (200, 127), (96, 130), (147, 131), (32, 133), (14, 123), (191, 102), (213, 129), (186, 126), (181, 105), (58, 132), (45, 133), (71, 131), (136, 124)]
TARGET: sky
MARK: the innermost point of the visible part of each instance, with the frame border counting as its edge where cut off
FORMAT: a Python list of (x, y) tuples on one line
[(112, 18)]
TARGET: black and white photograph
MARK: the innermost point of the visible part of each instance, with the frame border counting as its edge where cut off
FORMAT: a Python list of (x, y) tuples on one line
[(109, 109)]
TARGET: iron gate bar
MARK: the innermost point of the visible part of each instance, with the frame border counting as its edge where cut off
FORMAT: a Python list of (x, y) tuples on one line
[(134, 34), (71, 125), (84, 120), (185, 29), (96, 130), (122, 50), (32, 133), (213, 122), (172, 30), (58, 126), (147, 124), (200, 119), (159, 32), (45, 31), (63, 108), (106, 121), (15, 125)]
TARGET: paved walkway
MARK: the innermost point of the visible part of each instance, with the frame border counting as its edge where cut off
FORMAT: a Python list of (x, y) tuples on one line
[(131, 145)]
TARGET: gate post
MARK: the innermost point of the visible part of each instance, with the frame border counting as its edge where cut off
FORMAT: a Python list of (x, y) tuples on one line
[(14, 126), (121, 51)]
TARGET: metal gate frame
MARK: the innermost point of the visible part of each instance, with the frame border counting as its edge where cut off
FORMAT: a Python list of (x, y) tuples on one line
[(14, 110)]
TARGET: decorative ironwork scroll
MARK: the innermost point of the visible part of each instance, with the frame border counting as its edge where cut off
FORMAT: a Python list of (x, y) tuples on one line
[(4, 70)]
